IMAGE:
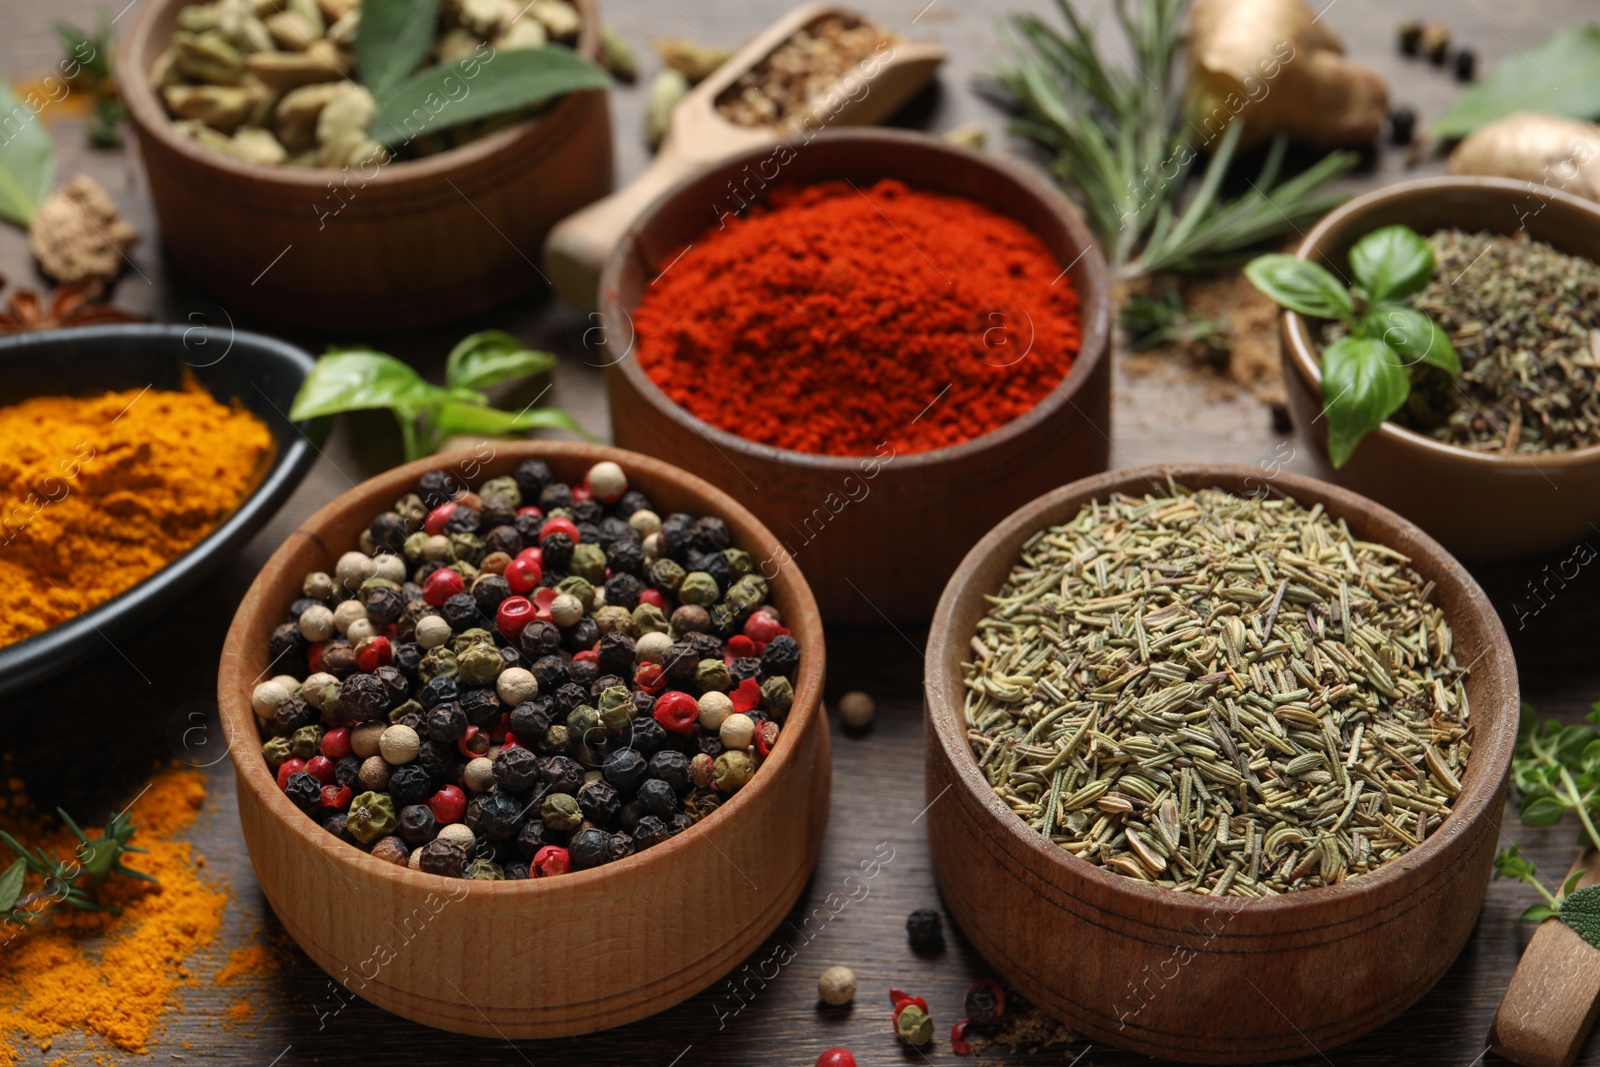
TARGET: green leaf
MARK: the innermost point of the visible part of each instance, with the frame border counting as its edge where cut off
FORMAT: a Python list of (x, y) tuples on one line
[(1594, 712), (1392, 262), (354, 379), (1546, 811), (1561, 76), (393, 40), (1581, 911), (457, 418), (1538, 913), (1509, 863), (1416, 337), (1527, 723), (1363, 384), (27, 165), (478, 87), (1572, 881), (11, 884), (492, 357), (1573, 740), (1300, 286)]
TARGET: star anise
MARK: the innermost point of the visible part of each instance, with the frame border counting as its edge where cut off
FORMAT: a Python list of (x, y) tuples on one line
[(75, 304)]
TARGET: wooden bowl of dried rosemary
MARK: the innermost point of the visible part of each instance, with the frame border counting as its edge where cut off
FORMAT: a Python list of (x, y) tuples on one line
[(1226, 759), (1505, 461)]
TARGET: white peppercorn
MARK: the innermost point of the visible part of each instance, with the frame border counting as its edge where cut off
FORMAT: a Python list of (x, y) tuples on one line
[(856, 710), (319, 688), (267, 696), (390, 567), (432, 631), (515, 685), (318, 585), (414, 861), (737, 731), (348, 612), (837, 986), (645, 522), (365, 740), (566, 610), (652, 647), (479, 774), (399, 744), (607, 482), (437, 549), (316, 623), (359, 630), (715, 707), (352, 569), (460, 834)]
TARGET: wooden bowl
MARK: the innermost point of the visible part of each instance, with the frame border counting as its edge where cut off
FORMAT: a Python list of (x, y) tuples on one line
[(878, 546), (404, 245), (261, 373), (1480, 505), (554, 956), (1194, 978)]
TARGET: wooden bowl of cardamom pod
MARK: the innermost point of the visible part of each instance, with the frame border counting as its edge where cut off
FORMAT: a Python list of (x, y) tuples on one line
[(1044, 679), (354, 244), (546, 957)]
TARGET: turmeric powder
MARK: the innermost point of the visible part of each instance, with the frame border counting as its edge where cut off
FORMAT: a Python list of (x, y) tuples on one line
[(106, 973), (98, 493)]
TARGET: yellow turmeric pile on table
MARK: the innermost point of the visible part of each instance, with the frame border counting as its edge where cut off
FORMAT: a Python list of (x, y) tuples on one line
[(98, 493), (113, 974)]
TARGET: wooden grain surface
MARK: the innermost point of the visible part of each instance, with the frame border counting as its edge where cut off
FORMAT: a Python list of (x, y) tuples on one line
[(91, 738)]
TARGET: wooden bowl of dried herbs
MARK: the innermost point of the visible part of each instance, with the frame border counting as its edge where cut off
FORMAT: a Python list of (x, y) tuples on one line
[(1500, 458), (1225, 759), (308, 172)]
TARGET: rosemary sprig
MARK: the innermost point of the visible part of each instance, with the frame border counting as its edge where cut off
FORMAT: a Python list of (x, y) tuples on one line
[(1123, 144), (93, 860)]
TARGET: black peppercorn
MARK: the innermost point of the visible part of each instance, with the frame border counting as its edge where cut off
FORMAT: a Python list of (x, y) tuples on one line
[(498, 511), (711, 534), (678, 823), (517, 769), (407, 659), (417, 825), (338, 659), (291, 715), (532, 837), (503, 539), (984, 1003), (709, 744), (676, 540), (1402, 125), (781, 656), (613, 529), (570, 696), (497, 815), (629, 814), (632, 501), (556, 550), (446, 722), (589, 848), (644, 704), (552, 673), (287, 647), (298, 608), (538, 639), (438, 691), (644, 735), (626, 557), (488, 591), (442, 856), (925, 928), (680, 662), (460, 611), (583, 671), (580, 636), (599, 801), (362, 697), (347, 771), (587, 513), (1410, 38), (562, 774), (304, 790), (531, 719), (516, 872), (712, 563), (531, 476), (437, 757), (335, 825), (385, 605), (410, 784), (462, 520), (744, 667), (672, 768), (481, 705), (657, 797), (624, 769), (555, 495), (389, 532), (1466, 65), (651, 830), (439, 487)]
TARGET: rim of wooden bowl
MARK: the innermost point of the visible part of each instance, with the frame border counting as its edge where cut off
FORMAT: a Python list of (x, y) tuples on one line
[(152, 120), (239, 723), (1351, 220), (1487, 770), (1094, 301)]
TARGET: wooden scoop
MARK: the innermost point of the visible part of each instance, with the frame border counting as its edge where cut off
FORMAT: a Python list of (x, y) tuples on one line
[(1554, 996), (698, 137)]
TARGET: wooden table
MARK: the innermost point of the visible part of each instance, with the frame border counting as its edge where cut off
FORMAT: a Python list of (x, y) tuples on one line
[(93, 737)]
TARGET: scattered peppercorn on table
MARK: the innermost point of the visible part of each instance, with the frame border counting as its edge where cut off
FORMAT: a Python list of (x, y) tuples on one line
[(90, 739)]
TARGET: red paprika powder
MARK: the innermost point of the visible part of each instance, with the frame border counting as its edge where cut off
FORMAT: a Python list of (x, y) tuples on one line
[(836, 318)]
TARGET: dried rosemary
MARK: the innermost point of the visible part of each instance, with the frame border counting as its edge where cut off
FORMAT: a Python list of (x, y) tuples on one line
[(1218, 694)]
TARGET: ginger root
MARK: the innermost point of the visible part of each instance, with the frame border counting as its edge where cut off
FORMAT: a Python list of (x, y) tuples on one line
[(1271, 63), (1533, 146)]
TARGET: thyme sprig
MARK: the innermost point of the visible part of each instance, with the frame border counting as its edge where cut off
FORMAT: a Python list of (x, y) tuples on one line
[(94, 859), (1124, 146)]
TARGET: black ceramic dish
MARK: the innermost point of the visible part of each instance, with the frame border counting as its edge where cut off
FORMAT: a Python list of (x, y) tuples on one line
[(259, 372)]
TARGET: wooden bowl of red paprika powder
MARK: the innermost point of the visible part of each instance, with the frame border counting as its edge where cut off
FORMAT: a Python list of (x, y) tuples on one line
[(748, 342)]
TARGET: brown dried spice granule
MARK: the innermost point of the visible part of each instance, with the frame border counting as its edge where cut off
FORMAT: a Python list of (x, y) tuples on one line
[(799, 71)]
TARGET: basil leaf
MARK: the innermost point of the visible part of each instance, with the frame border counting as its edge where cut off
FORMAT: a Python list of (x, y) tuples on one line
[(457, 418), (27, 165), (11, 884), (1581, 911), (480, 86), (1416, 337), (1300, 286), (393, 40), (492, 357), (1363, 384), (1546, 811), (1392, 262), (353, 379), (1561, 76)]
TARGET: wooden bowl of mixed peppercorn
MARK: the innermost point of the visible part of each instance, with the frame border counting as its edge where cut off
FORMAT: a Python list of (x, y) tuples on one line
[(1268, 741), (554, 762)]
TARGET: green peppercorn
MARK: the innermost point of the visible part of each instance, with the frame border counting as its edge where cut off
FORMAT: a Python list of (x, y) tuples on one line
[(616, 708), (588, 562), (375, 583), (556, 740), (305, 741), (480, 665), (777, 696), (469, 549), (413, 547), (666, 573), (579, 587), (583, 722), (713, 676), (698, 588), (485, 871), (560, 811), (371, 816), (505, 486), (318, 585), (700, 803), (276, 752), (477, 635), (739, 561), (914, 1025), (648, 619), (410, 707), (437, 662), (411, 508), (613, 617), (733, 770)]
